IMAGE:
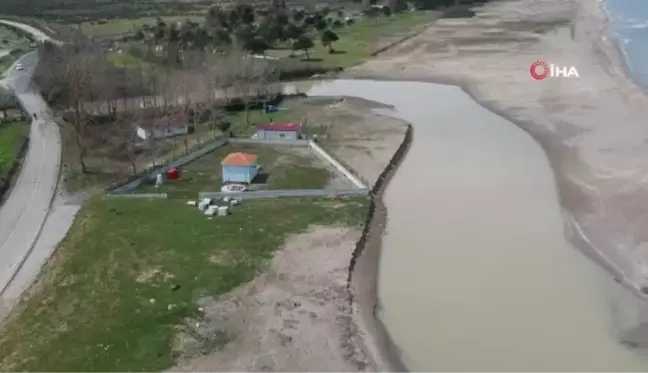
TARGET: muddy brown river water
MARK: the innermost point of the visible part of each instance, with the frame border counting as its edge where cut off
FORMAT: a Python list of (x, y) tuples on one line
[(476, 273)]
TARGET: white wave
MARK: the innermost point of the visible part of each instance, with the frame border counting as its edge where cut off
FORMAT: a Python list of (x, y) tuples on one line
[(638, 25)]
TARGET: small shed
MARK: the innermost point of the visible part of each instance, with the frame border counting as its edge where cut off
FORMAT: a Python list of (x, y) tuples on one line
[(240, 168), (279, 131), (163, 127)]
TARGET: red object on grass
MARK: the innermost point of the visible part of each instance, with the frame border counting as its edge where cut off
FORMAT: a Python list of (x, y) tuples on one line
[(173, 174)]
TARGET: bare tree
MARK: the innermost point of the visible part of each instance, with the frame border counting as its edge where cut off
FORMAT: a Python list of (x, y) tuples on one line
[(77, 75), (226, 76), (127, 139), (245, 85), (114, 86), (168, 88), (71, 78), (203, 93), (184, 85), (255, 78), (155, 141), (141, 83), (7, 101), (213, 86)]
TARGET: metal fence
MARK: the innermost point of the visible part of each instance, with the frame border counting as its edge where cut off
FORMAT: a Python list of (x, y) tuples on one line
[(148, 174), (152, 171), (287, 193), (197, 154)]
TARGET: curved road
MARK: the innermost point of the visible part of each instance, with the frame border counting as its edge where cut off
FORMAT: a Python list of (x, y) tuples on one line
[(28, 213), (36, 33)]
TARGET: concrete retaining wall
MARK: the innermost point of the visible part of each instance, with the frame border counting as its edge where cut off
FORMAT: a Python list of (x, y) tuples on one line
[(140, 195), (362, 281), (327, 157), (287, 193), (270, 142), (376, 193)]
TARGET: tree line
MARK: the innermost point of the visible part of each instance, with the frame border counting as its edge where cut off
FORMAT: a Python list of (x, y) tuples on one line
[(259, 29), (100, 105), (242, 27)]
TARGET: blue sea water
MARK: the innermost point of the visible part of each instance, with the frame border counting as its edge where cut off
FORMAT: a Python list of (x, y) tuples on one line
[(629, 21)]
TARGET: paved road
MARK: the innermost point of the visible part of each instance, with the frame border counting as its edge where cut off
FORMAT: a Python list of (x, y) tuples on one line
[(36, 33), (30, 225), (25, 210)]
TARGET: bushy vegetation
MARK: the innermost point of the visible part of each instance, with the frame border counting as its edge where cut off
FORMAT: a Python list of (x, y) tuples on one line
[(295, 40), (444, 4), (241, 26), (12, 137), (8, 101), (78, 11)]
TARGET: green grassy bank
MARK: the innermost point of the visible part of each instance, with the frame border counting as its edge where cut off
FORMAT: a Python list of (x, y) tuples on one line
[(92, 310), (12, 137)]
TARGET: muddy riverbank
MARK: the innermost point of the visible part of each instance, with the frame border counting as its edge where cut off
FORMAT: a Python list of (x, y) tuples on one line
[(364, 269), (591, 128), (474, 257)]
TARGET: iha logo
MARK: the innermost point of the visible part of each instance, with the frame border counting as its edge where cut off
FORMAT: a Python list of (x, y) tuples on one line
[(540, 70)]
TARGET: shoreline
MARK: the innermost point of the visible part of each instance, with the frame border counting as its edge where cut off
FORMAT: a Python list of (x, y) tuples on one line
[(573, 230), (364, 270), (591, 20)]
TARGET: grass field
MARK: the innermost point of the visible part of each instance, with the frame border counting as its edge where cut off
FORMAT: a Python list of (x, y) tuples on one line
[(5, 63), (8, 60), (357, 42), (12, 42), (125, 60), (93, 311), (119, 26), (255, 117), (12, 136), (282, 168), (9, 39), (73, 12)]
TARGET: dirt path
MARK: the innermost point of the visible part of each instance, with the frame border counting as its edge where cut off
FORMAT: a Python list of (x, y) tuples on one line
[(295, 317)]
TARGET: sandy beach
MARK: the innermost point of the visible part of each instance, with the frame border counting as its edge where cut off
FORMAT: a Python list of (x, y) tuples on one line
[(591, 127)]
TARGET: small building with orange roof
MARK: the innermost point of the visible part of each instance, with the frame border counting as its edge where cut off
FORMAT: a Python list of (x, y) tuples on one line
[(240, 168)]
